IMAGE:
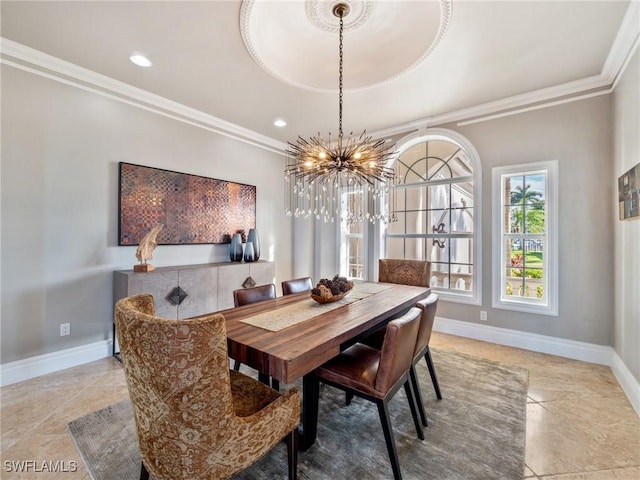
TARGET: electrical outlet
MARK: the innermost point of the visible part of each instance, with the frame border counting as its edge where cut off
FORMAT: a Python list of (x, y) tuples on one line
[(483, 315), (65, 329)]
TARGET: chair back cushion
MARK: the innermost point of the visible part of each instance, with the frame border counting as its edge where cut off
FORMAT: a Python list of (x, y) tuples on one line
[(245, 296), (428, 307), (404, 272), (178, 379), (297, 285), (397, 349)]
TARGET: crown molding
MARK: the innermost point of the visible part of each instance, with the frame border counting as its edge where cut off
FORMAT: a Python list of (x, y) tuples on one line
[(624, 46), (20, 56), (535, 97), (625, 43), (534, 100), (532, 108)]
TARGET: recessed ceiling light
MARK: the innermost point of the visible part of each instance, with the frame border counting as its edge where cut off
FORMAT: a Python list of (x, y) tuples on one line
[(280, 123), (140, 60)]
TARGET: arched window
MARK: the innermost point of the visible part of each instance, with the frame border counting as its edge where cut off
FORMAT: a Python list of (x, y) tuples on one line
[(435, 211)]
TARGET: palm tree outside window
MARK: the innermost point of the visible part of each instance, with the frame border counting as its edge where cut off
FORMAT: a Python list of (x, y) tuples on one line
[(525, 211)]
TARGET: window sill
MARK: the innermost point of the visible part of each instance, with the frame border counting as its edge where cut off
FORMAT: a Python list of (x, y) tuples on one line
[(527, 308)]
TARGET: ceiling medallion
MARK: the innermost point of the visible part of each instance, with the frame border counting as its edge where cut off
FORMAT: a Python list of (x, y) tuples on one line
[(320, 13), (291, 40), (342, 179)]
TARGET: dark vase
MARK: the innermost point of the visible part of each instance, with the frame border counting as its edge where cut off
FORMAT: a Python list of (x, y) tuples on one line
[(235, 248), (249, 254), (253, 238)]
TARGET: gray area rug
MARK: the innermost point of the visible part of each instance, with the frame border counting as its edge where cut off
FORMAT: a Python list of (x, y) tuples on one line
[(477, 431)]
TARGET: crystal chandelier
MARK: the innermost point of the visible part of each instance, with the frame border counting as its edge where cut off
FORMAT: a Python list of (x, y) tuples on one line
[(347, 180)]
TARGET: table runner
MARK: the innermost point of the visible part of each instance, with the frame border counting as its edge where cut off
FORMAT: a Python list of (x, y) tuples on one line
[(290, 315)]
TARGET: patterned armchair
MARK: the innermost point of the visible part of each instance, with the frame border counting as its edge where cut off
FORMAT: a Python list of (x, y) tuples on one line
[(405, 272), (195, 418)]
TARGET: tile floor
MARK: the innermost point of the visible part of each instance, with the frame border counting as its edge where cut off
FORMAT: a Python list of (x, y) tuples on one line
[(580, 425)]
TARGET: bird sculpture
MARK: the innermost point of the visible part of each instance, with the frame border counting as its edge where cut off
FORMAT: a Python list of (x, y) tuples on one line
[(145, 249)]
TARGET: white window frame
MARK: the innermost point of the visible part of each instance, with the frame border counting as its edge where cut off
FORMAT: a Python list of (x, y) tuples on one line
[(343, 242), (434, 134), (550, 259)]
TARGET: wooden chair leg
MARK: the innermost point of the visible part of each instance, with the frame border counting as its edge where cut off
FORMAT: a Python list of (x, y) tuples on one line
[(236, 365), (385, 420), (432, 372), (275, 384), (292, 453), (144, 474), (412, 406), (418, 394)]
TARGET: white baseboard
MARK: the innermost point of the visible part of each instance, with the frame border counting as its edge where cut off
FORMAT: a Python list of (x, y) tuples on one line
[(561, 347), (627, 381), (52, 362), (587, 352), (20, 370)]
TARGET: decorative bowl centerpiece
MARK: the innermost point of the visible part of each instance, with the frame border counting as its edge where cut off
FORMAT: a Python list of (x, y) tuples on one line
[(332, 290)]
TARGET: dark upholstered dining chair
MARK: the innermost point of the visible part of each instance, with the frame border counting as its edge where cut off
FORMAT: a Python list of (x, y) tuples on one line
[(246, 296), (376, 375), (428, 307), (194, 417), (404, 272), (297, 285)]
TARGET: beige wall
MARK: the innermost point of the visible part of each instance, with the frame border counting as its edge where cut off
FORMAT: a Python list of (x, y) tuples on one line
[(626, 154), (61, 146), (60, 152), (578, 136)]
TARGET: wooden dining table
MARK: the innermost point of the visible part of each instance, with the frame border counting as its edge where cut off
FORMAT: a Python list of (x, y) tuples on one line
[(296, 350)]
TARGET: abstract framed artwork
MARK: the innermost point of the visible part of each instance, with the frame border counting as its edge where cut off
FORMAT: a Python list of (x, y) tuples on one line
[(192, 209), (629, 194)]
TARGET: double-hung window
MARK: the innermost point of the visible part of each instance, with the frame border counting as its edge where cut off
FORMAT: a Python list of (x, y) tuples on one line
[(353, 229), (525, 238)]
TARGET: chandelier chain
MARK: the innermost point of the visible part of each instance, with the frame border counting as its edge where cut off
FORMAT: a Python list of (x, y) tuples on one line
[(340, 75), (345, 180)]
